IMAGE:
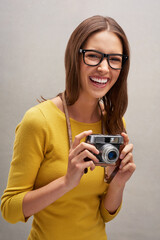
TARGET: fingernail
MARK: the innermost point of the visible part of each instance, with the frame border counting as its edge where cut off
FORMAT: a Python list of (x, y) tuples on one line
[(121, 156), (120, 167)]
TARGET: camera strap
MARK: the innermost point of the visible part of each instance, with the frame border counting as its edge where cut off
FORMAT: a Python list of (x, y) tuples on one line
[(107, 178)]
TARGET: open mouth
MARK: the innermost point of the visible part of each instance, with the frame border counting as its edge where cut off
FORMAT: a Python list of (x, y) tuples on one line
[(99, 81)]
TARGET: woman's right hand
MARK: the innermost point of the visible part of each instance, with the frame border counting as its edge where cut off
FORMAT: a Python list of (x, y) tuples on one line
[(76, 163), (36, 200)]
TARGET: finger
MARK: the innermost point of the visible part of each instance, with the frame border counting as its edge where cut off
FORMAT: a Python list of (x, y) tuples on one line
[(125, 138), (128, 148), (82, 167), (126, 160), (81, 147), (90, 165), (79, 137), (131, 167), (86, 155)]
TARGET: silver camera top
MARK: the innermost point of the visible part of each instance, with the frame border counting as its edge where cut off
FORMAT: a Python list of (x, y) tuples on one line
[(102, 139)]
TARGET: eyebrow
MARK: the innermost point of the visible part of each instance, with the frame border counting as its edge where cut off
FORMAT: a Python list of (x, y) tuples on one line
[(95, 50)]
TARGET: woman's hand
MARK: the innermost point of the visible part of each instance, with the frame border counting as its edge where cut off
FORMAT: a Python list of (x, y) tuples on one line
[(127, 165), (76, 164), (114, 195)]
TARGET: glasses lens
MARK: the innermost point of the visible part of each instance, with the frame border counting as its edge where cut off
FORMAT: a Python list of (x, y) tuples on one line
[(92, 58), (115, 61)]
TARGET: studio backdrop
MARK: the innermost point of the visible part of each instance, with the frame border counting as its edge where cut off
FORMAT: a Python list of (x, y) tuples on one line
[(33, 38)]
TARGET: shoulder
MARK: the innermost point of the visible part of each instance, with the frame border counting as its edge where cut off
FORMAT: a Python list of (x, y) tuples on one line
[(58, 102), (33, 119), (44, 115), (35, 114), (44, 110)]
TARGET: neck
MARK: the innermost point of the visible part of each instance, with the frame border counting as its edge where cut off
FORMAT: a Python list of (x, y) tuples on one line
[(85, 111)]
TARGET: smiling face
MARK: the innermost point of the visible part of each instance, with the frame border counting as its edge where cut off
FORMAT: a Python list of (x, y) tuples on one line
[(97, 81)]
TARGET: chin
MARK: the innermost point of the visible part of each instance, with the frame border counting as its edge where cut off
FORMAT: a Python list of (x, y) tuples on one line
[(98, 95)]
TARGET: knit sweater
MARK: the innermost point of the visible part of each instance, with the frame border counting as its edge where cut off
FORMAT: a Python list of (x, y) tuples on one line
[(40, 156)]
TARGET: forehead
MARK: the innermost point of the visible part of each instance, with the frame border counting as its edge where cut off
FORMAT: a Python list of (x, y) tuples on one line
[(104, 41)]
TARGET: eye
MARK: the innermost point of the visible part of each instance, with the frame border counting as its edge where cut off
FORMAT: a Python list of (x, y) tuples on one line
[(92, 56), (115, 59)]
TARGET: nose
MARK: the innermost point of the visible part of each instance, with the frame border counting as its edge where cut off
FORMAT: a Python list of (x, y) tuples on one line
[(103, 67)]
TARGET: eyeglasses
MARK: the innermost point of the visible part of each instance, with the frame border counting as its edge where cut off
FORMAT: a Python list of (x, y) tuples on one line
[(94, 58)]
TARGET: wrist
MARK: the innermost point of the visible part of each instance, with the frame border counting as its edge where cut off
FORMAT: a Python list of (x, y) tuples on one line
[(68, 185), (116, 187)]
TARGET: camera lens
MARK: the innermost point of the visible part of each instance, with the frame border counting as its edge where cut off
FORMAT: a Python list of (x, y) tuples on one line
[(110, 153)]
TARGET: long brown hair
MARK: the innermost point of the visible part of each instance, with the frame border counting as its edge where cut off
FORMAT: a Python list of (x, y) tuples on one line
[(116, 100)]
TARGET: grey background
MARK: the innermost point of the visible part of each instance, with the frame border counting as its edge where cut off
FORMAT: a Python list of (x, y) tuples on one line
[(33, 37)]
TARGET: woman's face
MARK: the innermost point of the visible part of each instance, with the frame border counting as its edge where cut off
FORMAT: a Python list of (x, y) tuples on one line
[(97, 81)]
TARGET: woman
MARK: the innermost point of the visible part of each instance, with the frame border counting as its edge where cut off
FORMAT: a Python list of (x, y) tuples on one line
[(47, 177)]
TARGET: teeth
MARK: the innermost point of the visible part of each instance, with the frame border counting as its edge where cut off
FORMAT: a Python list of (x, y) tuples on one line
[(99, 80)]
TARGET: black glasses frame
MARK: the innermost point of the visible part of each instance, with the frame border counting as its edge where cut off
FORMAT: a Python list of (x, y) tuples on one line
[(124, 57)]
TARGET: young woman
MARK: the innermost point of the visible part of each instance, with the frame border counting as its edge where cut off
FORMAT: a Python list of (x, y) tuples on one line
[(47, 176)]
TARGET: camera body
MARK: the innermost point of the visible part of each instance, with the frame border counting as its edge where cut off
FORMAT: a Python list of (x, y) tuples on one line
[(108, 146)]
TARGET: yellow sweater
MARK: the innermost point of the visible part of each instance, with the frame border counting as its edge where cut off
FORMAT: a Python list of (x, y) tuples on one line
[(40, 156)]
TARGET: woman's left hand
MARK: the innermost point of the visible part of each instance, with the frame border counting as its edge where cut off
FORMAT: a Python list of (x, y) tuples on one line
[(127, 165)]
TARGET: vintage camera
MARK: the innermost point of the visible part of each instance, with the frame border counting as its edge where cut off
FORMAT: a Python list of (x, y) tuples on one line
[(108, 146)]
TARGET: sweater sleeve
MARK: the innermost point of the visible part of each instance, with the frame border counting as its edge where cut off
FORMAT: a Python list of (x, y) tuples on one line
[(105, 214), (28, 153)]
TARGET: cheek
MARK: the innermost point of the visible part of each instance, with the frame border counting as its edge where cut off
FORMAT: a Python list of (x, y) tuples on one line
[(84, 71), (116, 75)]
